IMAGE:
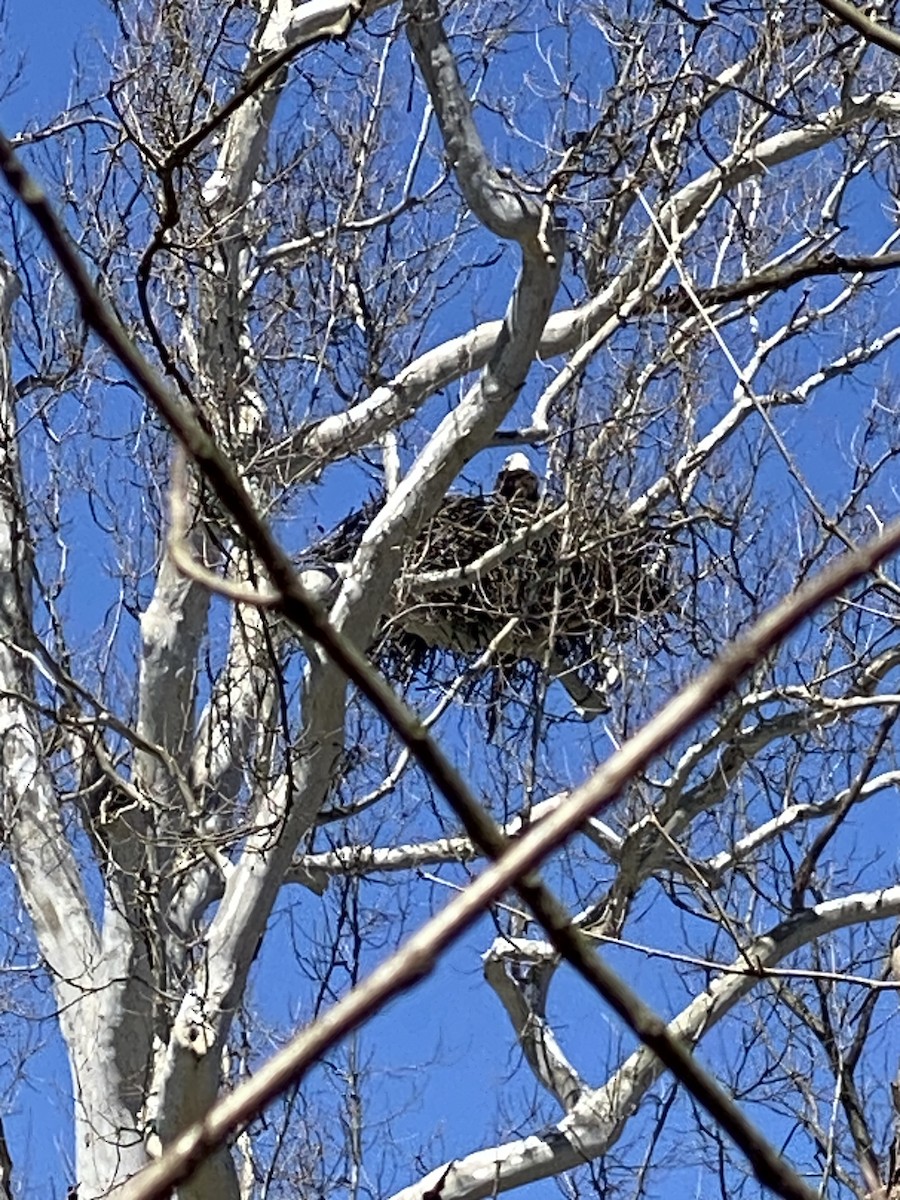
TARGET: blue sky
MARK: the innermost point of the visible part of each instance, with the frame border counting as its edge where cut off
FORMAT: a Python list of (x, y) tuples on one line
[(452, 1019), (47, 33)]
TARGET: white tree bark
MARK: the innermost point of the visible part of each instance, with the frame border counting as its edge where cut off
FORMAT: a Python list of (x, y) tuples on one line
[(595, 1124), (89, 970)]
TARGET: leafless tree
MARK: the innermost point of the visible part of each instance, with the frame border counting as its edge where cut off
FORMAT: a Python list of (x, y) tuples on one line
[(377, 252)]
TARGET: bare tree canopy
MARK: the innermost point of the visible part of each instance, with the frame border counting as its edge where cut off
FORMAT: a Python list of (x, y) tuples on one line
[(400, 403)]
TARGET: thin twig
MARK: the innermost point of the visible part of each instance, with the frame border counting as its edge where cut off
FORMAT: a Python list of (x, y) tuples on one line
[(179, 548)]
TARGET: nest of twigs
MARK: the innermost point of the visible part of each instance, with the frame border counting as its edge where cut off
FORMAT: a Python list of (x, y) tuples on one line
[(519, 578)]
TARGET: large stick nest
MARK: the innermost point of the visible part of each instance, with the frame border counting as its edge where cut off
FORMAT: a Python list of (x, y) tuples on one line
[(574, 584)]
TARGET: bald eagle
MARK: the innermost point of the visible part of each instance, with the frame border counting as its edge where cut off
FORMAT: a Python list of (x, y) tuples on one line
[(517, 480)]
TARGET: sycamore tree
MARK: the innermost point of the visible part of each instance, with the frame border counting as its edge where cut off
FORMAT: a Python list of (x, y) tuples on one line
[(547, 346)]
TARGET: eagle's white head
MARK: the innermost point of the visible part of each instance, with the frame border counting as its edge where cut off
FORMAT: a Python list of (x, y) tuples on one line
[(518, 480)]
